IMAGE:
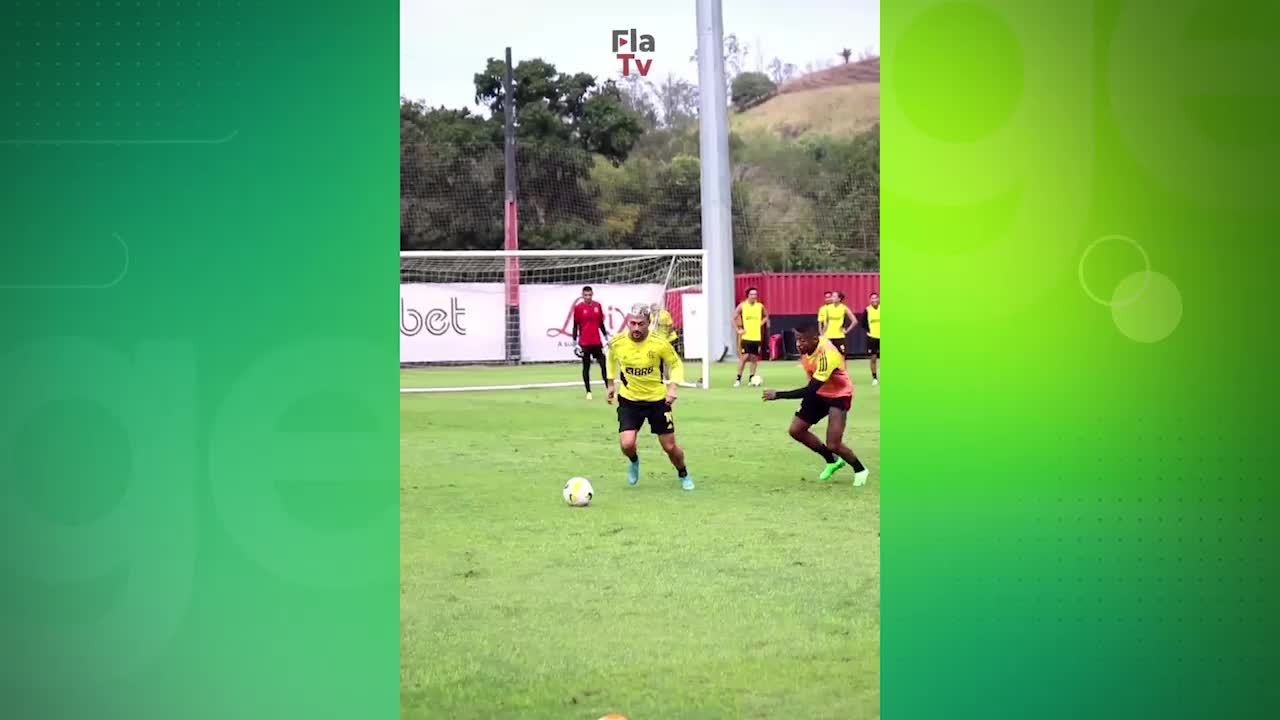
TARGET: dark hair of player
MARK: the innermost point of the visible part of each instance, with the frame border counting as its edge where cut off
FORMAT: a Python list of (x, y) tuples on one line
[(807, 329), (586, 288), (753, 289), (840, 295)]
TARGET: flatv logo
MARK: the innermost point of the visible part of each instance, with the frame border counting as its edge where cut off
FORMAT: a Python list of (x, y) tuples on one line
[(626, 45)]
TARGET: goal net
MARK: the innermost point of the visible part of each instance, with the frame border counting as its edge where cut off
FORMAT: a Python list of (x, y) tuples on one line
[(462, 312)]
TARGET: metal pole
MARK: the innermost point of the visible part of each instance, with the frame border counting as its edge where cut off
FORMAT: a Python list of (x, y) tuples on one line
[(717, 217), (511, 216)]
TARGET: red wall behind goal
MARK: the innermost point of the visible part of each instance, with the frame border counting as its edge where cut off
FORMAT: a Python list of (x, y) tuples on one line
[(796, 293)]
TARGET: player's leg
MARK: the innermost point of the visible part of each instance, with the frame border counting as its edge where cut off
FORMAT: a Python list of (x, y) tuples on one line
[(805, 418), (586, 371), (630, 419), (837, 419), (874, 349), (663, 425), (598, 353), (753, 359), (742, 362)]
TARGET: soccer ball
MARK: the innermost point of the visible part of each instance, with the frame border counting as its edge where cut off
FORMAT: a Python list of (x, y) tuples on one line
[(756, 380), (578, 492)]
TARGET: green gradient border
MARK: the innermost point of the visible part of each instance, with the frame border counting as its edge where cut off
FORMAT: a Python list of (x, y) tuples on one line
[(199, 444), (1079, 515)]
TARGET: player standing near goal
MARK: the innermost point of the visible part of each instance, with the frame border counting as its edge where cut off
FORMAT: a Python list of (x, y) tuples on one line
[(749, 319), (873, 337), (834, 319), (828, 395), (590, 333), (637, 357)]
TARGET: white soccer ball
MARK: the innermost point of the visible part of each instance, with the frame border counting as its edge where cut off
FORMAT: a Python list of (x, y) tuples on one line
[(756, 380), (578, 492)]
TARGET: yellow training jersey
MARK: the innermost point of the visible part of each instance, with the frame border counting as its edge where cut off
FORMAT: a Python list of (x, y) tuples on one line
[(639, 365), (752, 320), (665, 325), (831, 320), (873, 322)]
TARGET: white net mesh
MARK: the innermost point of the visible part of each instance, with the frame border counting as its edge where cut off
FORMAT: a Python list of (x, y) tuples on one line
[(476, 308)]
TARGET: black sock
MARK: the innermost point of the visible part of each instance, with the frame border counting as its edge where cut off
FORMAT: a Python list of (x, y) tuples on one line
[(739, 377), (632, 456), (857, 465), (827, 455), (586, 373), (682, 472)]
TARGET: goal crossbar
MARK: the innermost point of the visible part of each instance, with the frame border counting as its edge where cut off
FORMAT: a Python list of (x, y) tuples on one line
[(539, 272), (443, 254)]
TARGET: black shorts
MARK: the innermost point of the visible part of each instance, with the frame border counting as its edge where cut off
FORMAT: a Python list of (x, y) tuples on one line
[(873, 345), (750, 347), (814, 409), (839, 343), (593, 352), (632, 415)]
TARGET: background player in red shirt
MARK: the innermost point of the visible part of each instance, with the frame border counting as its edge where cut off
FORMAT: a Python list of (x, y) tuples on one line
[(590, 333)]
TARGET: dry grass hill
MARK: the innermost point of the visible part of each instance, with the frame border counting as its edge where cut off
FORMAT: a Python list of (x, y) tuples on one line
[(841, 101)]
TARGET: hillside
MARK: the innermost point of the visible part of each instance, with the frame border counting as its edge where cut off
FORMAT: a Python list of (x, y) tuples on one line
[(840, 101)]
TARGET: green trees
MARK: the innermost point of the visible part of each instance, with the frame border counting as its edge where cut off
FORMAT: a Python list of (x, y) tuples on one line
[(603, 165), (750, 88)]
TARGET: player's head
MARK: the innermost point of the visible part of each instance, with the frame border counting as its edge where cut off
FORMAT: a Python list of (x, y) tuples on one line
[(753, 295), (587, 293), (655, 308), (829, 297), (807, 338), (638, 323), (875, 300)]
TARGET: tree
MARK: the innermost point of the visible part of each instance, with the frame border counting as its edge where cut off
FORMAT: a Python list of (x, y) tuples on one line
[(562, 108), (750, 88), (846, 54), (678, 102)]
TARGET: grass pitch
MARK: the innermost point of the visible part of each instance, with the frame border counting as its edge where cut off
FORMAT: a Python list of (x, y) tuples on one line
[(755, 596)]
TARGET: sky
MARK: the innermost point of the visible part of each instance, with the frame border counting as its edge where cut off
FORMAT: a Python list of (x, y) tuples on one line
[(443, 43)]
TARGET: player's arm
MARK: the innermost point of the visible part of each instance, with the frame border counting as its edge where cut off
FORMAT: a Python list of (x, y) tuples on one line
[(849, 321), (575, 326), (604, 326), (826, 366), (764, 319), (737, 320), (611, 362), (675, 370), (822, 321)]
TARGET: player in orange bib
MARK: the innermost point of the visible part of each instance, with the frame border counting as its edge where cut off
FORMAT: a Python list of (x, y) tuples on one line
[(828, 395)]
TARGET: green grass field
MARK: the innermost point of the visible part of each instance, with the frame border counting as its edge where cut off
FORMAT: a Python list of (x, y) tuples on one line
[(755, 596)]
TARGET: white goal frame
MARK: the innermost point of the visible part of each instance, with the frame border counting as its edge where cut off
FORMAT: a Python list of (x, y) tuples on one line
[(707, 358)]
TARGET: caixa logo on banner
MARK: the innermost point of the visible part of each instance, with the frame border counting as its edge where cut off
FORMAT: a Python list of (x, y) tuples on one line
[(436, 321)]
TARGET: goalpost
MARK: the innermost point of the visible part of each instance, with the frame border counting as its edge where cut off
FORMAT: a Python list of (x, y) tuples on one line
[(515, 307)]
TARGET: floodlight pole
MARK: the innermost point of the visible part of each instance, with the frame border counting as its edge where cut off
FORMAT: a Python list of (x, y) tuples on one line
[(511, 205), (717, 216)]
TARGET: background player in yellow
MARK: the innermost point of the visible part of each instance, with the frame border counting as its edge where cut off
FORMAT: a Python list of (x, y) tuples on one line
[(663, 327), (751, 320), (873, 337), (834, 319), (636, 358)]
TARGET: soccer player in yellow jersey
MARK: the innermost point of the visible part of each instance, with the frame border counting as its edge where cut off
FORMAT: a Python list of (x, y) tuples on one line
[(828, 396), (873, 337), (664, 326), (834, 319), (637, 358), (750, 319)]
